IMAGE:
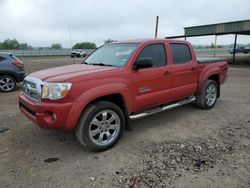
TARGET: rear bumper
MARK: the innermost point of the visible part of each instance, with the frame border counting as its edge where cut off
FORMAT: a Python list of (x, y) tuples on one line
[(46, 115), (20, 76)]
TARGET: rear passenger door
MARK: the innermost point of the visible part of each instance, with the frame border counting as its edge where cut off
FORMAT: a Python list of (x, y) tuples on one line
[(152, 86), (184, 71)]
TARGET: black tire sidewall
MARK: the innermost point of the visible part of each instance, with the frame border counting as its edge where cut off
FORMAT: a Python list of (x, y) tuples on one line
[(86, 119), (13, 79), (210, 82)]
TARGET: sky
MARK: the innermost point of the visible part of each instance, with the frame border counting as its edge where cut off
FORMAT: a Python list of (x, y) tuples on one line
[(43, 22)]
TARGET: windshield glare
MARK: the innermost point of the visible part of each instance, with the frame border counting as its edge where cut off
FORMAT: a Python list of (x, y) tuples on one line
[(112, 55)]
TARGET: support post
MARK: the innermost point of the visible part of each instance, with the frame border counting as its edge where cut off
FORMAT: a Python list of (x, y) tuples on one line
[(185, 38), (156, 26), (235, 42), (215, 45)]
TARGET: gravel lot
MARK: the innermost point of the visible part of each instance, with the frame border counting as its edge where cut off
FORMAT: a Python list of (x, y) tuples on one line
[(183, 147)]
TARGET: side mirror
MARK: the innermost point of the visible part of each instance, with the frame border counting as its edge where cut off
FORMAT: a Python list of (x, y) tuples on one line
[(143, 63)]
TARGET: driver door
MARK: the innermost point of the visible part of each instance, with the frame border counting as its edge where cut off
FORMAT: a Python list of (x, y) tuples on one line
[(152, 86)]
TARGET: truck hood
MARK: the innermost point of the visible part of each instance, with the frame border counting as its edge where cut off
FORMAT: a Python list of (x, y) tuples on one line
[(64, 73)]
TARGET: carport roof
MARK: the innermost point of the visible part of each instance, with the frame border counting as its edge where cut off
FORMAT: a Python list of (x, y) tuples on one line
[(237, 27)]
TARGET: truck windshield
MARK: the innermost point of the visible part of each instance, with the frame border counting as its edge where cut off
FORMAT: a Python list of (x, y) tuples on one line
[(111, 55)]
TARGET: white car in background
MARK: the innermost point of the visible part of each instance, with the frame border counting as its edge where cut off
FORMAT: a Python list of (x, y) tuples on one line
[(77, 53)]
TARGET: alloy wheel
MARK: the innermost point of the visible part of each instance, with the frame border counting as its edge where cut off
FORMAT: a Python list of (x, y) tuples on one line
[(104, 127)]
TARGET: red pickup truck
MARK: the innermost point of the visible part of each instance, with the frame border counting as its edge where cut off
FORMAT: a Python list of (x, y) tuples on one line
[(117, 82)]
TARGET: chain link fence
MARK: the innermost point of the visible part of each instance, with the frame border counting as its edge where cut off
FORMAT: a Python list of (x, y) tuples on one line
[(44, 52)]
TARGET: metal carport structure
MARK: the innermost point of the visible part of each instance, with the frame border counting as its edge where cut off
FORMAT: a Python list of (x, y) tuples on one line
[(237, 28)]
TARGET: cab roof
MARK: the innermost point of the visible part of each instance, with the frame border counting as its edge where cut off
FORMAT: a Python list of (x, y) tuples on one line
[(139, 41)]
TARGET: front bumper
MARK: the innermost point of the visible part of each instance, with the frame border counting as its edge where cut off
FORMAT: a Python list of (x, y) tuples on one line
[(44, 114)]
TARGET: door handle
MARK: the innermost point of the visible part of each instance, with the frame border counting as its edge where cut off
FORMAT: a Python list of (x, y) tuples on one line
[(193, 68), (166, 73)]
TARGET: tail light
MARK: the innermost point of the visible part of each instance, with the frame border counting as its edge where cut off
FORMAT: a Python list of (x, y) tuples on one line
[(18, 63)]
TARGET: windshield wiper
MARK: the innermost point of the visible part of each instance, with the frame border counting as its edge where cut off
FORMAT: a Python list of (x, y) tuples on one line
[(101, 64), (84, 62)]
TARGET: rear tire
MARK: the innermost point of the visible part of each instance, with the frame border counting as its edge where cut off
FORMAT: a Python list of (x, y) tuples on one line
[(100, 126), (7, 83), (207, 97)]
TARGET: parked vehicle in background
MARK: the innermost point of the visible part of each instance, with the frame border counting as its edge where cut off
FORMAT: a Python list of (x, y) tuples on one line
[(78, 53), (244, 50), (120, 81), (11, 72)]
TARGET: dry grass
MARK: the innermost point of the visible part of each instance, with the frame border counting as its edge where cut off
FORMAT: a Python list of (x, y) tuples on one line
[(239, 60)]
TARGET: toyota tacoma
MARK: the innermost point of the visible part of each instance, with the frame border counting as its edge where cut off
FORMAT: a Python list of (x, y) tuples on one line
[(120, 81)]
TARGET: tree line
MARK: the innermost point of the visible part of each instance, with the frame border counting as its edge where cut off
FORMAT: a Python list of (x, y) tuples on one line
[(14, 44)]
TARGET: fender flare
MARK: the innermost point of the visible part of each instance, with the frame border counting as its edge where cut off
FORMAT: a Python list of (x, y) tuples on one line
[(9, 73), (104, 90), (94, 93), (206, 73)]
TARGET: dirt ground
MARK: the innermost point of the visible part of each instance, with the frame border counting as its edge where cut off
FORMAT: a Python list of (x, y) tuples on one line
[(183, 147)]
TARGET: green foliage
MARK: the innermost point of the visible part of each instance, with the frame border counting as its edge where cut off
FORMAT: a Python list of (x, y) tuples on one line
[(56, 46), (9, 44), (84, 45), (25, 46), (13, 44), (109, 41)]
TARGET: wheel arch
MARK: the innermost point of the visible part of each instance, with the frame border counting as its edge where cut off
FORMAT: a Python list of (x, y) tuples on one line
[(9, 74), (216, 78), (116, 98), (209, 72)]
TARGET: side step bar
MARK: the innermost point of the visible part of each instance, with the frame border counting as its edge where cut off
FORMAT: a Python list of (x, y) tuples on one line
[(161, 109)]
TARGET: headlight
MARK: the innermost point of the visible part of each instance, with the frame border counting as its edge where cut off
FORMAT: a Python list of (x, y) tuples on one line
[(55, 90)]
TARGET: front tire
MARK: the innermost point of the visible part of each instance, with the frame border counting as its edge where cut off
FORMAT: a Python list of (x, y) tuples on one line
[(207, 97), (100, 126)]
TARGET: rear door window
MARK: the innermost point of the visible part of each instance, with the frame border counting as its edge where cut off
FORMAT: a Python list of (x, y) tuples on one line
[(180, 53), (2, 58)]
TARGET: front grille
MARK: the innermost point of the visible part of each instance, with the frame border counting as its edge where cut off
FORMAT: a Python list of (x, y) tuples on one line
[(32, 88)]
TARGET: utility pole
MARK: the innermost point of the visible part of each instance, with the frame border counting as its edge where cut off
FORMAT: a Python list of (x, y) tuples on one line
[(70, 37), (156, 26), (71, 42)]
